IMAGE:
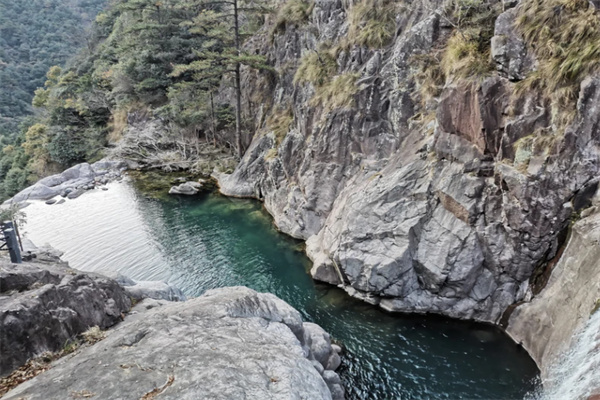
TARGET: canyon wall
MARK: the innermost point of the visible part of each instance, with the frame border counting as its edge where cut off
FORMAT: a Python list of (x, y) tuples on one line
[(457, 202)]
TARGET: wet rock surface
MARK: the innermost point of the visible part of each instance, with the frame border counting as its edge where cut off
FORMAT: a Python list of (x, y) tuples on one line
[(229, 343)]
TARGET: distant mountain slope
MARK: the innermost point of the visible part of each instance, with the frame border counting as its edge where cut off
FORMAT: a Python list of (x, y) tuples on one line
[(34, 35)]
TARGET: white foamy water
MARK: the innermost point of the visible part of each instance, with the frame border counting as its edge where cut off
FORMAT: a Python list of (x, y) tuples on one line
[(576, 373), (99, 231)]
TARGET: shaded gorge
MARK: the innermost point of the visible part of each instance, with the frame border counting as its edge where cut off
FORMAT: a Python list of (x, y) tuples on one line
[(212, 241)]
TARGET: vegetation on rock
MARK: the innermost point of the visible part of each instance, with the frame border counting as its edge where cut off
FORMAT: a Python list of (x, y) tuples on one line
[(164, 58), (294, 12), (372, 23), (467, 52), (337, 93), (565, 38), (316, 67)]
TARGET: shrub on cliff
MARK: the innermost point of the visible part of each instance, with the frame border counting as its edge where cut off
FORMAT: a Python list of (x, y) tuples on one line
[(372, 23)]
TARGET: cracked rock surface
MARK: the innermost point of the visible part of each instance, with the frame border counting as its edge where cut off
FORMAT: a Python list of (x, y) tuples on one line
[(230, 343), (453, 205), (45, 304)]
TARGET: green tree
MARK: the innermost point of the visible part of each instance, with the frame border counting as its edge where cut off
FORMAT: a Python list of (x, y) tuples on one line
[(221, 53)]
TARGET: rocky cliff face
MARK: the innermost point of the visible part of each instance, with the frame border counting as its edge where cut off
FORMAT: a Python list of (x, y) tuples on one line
[(545, 326), (454, 203)]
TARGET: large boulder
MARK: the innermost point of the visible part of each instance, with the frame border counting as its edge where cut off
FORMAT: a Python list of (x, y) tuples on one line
[(72, 182), (45, 305), (230, 343)]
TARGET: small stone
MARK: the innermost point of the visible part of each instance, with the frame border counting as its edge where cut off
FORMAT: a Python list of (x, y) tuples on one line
[(51, 201), (75, 194)]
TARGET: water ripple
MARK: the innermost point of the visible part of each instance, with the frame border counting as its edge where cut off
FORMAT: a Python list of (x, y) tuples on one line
[(199, 244)]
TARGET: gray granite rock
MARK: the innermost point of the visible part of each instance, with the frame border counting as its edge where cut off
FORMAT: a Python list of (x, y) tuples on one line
[(44, 305), (72, 182), (230, 343), (545, 324), (452, 204), (508, 48)]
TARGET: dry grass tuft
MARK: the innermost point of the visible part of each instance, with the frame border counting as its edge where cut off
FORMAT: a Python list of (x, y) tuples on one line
[(279, 122), (467, 54), (316, 67), (337, 93), (565, 38), (292, 12), (93, 335), (372, 23)]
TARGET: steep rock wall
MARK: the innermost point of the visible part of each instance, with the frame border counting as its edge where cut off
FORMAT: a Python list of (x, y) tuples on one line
[(452, 205), (546, 325)]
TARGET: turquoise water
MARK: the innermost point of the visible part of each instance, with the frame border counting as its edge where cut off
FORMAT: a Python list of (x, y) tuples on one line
[(212, 241)]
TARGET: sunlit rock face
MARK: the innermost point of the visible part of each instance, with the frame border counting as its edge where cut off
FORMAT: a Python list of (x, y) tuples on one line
[(229, 343), (455, 205)]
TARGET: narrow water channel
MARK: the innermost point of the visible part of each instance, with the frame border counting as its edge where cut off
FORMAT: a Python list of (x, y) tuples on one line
[(212, 241)]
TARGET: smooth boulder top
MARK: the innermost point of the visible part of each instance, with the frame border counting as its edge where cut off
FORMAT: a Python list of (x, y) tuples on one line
[(188, 188), (230, 343), (76, 177)]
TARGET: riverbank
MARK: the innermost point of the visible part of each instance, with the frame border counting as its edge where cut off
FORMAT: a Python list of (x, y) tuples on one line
[(209, 241), (263, 343)]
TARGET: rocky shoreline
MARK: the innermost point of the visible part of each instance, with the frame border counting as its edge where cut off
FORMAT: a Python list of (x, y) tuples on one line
[(228, 343), (72, 182), (455, 203)]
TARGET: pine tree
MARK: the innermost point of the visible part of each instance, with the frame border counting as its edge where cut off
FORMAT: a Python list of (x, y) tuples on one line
[(221, 52)]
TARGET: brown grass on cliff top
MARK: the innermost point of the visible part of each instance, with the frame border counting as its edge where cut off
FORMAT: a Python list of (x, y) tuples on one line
[(565, 38), (372, 23)]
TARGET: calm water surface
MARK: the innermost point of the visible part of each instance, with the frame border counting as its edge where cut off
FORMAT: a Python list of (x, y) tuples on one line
[(212, 241)]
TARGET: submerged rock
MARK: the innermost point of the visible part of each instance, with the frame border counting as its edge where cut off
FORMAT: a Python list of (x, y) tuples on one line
[(230, 343), (139, 290), (187, 188)]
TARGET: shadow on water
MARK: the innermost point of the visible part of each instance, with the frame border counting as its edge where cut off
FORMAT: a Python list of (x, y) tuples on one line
[(212, 241)]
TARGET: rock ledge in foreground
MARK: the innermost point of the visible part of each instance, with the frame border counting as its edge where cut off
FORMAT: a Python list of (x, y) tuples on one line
[(230, 343)]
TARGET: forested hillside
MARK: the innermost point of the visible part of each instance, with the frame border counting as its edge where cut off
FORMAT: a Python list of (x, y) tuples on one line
[(35, 35), (164, 58)]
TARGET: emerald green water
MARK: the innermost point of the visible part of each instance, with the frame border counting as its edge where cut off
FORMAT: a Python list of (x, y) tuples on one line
[(212, 241)]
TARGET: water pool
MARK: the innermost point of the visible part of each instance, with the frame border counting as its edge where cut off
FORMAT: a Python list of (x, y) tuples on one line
[(212, 241)]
